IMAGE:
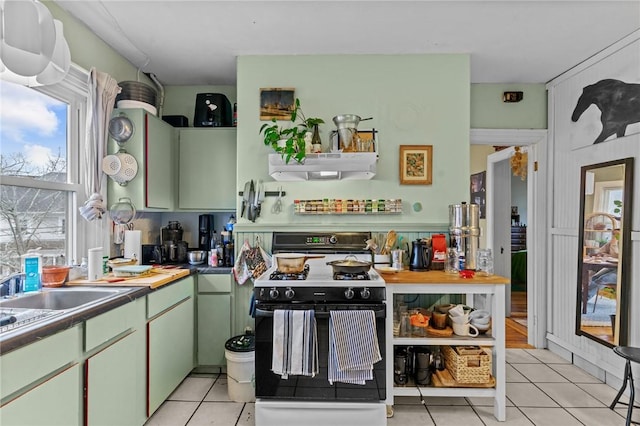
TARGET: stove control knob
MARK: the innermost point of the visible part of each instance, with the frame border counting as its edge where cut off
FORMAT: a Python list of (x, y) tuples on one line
[(333, 239), (365, 293), (289, 293), (348, 293), (274, 293)]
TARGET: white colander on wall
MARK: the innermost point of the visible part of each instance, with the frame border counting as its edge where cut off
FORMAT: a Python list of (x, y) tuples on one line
[(122, 167)]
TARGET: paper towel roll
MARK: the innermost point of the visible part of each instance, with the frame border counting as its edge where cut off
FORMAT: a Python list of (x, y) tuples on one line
[(94, 264), (133, 245)]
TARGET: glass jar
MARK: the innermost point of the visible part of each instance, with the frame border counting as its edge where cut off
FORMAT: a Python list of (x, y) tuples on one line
[(405, 324), (484, 262), (452, 261)]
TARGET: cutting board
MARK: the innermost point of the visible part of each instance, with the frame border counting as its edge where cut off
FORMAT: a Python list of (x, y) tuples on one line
[(434, 332), (156, 278)]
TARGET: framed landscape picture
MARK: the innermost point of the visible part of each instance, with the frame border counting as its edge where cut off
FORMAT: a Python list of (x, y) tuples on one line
[(276, 103), (416, 164)]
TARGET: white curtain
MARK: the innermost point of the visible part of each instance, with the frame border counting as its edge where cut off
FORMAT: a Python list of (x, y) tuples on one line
[(102, 94)]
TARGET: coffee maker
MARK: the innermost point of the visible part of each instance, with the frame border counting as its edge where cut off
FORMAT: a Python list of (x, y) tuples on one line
[(175, 250), (206, 227)]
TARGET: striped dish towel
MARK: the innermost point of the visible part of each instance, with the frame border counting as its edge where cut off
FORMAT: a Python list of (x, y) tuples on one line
[(353, 346), (295, 343)]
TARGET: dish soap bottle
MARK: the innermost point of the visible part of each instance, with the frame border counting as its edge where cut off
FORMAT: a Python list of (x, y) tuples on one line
[(32, 268)]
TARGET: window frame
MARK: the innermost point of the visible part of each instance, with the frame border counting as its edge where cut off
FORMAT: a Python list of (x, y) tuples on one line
[(72, 90)]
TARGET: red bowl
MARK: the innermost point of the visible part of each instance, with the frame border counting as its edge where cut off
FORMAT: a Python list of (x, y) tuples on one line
[(467, 273), (54, 276)]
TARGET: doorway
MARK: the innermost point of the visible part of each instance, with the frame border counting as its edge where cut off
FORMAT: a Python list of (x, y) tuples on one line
[(499, 217)]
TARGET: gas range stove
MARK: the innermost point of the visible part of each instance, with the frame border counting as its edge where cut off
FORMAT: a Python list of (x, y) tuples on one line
[(320, 285), (317, 284)]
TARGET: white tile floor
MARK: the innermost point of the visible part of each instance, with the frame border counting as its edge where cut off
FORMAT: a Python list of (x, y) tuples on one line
[(543, 389)]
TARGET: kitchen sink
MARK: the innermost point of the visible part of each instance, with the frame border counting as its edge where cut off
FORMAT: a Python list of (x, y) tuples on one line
[(63, 298)]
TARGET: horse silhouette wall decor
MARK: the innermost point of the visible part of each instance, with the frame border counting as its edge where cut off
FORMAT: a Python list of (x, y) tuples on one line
[(619, 104)]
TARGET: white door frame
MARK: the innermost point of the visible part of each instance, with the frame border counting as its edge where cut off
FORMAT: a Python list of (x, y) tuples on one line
[(536, 143)]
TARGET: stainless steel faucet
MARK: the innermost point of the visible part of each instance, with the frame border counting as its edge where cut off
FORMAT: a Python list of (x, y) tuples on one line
[(12, 285)]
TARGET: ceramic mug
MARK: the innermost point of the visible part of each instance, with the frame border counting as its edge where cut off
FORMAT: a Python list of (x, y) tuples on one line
[(458, 311), (465, 329), (462, 319)]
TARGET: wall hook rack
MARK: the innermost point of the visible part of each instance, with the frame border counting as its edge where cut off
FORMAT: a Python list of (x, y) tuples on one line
[(267, 193)]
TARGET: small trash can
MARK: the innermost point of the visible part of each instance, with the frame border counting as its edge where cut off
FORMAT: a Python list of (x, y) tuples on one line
[(240, 354)]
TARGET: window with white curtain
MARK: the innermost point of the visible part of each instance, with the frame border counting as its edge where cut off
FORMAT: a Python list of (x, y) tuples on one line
[(41, 131)]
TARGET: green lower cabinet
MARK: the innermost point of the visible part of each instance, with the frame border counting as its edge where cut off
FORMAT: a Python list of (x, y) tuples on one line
[(214, 318), (170, 351), (214, 327), (112, 395), (54, 402)]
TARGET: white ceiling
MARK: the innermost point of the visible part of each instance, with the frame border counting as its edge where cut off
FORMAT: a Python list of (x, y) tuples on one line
[(197, 42)]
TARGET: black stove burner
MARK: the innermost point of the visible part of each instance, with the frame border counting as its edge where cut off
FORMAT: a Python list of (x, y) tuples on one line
[(277, 275), (351, 276)]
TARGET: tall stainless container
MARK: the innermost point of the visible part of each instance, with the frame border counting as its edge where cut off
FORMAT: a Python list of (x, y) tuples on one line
[(464, 231)]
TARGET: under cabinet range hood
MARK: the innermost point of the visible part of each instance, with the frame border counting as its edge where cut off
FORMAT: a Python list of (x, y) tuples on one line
[(326, 166)]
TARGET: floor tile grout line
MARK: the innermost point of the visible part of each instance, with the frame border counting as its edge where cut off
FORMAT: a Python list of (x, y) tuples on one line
[(562, 406), (240, 414), (476, 407)]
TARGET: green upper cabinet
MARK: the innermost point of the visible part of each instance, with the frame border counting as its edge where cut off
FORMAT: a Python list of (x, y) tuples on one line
[(152, 145), (207, 171)]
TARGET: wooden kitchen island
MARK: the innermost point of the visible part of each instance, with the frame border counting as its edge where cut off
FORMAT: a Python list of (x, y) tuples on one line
[(487, 291)]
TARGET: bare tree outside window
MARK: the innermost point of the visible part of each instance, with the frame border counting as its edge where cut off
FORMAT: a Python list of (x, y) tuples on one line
[(33, 164)]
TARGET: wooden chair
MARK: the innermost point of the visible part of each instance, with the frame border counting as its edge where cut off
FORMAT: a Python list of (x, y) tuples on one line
[(599, 287)]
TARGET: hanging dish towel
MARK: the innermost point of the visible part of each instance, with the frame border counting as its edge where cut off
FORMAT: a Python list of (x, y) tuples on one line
[(295, 343), (353, 346)]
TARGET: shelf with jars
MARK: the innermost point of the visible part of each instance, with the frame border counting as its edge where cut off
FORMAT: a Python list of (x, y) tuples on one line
[(347, 206)]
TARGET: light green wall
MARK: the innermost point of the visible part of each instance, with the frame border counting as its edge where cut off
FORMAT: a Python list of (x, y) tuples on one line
[(88, 50), (413, 99), (489, 112)]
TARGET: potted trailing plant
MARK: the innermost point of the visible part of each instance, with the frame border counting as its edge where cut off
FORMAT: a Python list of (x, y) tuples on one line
[(290, 142)]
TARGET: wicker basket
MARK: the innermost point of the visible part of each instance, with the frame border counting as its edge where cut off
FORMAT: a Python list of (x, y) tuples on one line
[(468, 364)]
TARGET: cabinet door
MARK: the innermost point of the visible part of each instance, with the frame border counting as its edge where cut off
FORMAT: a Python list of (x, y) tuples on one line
[(170, 351), (214, 327), (113, 395), (159, 158), (207, 169), (54, 402), (151, 145)]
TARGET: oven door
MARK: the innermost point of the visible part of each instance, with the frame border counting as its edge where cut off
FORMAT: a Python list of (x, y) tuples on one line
[(304, 388)]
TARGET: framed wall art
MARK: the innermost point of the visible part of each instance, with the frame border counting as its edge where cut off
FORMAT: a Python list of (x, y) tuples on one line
[(416, 164), (276, 103)]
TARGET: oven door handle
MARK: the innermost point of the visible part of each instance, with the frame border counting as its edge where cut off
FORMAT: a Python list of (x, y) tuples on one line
[(379, 313)]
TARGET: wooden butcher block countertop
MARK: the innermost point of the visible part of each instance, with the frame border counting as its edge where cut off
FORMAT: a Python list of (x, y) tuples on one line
[(155, 279), (437, 277)]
